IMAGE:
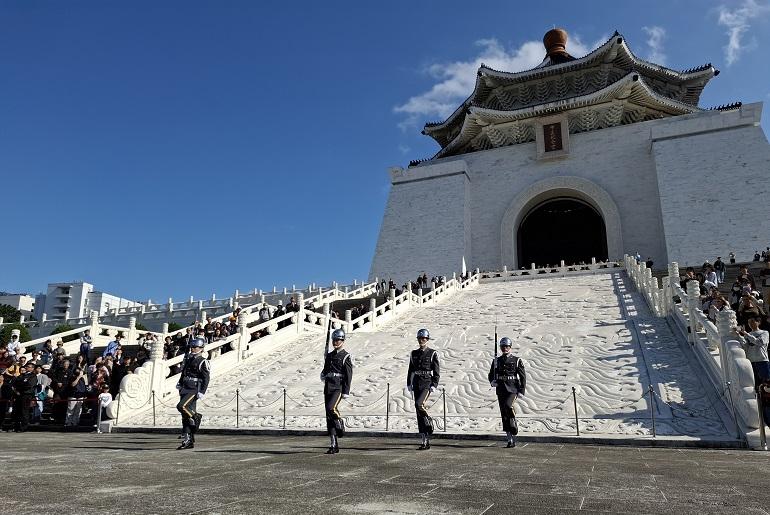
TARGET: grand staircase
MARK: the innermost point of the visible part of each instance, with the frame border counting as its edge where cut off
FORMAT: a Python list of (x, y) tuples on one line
[(593, 333)]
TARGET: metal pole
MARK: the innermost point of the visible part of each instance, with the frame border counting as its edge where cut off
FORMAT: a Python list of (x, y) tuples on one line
[(284, 408), (652, 410), (98, 415), (574, 403), (387, 407), (117, 413), (762, 435), (237, 407), (735, 419), (443, 391), (153, 408)]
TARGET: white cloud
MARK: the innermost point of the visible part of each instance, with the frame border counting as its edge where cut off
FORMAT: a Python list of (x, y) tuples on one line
[(738, 23), (404, 149), (455, 80), (655, 37)]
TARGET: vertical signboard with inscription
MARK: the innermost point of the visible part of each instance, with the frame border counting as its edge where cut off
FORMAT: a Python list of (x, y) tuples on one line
[(552, 136)]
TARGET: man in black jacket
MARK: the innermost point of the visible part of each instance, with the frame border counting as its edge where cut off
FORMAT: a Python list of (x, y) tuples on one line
[(193, 382), (509, 379), (422, 380), (23, 393), (336, 375)]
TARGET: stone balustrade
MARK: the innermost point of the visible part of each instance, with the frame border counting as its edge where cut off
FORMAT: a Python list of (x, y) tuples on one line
[(552, 271), (153, 379), (714, 345)]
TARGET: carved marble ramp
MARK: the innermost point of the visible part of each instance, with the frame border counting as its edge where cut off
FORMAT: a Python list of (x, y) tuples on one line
[(591, 332)]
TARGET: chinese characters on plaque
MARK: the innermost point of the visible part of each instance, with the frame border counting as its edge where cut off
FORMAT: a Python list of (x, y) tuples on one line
[(552, 137)]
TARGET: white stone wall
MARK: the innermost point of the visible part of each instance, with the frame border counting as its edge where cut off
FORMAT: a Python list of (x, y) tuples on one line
[(714, 182), (426, 226), (622, 161)]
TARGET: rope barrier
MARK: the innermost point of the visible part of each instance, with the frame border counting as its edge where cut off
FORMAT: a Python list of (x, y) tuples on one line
[(622, 406), (262, 405), (548, 408), (364, 405)]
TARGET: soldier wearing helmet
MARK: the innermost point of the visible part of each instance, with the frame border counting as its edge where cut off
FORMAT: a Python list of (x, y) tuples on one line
[(337, 375), (509, 379), (192, 385), (422, 380)]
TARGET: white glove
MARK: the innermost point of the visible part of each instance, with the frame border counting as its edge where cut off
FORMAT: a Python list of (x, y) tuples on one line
[(432, 389), (493, 384), (323, 377), (344, 395), (200, 396), (178, 386)]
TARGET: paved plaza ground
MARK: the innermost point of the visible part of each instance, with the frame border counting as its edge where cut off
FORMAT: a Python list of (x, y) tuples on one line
[(142, 473)]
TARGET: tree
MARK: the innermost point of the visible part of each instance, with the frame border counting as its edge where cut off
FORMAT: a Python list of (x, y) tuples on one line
[(63, 329), (173, 326), (5, 333), (9, 313), (141, 327)]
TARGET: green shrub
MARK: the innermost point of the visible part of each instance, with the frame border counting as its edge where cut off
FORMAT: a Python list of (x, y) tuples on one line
[(63, 329), (141, 327), (5, 333), (9, 314), (173, 327)]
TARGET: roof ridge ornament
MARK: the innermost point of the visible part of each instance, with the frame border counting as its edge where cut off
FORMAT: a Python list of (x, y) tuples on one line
[(555, 43)]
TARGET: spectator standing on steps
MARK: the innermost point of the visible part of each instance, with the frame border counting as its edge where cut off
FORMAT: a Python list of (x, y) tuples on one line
[(755, 343), (719, 268)]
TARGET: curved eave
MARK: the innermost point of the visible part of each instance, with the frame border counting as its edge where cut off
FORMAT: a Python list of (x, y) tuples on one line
[(630, 88), (614, 47)]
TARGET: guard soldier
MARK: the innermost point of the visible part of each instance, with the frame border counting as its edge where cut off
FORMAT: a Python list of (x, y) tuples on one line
[(509, 379), (23, 392), (337, 375), (192, 386), (422, 380)]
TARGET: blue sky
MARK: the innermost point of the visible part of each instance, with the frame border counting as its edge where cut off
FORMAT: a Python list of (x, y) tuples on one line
[(168, 149)]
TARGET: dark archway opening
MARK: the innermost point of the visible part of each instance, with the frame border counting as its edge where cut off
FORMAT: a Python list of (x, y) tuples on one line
[(561, 228)]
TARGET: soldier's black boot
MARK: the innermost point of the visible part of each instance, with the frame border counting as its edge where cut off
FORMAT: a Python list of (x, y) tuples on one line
[(331, 450), (187, 443), (511, 442)]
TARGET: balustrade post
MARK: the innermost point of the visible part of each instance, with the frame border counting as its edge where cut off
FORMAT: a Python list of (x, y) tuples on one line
[(409, 289), (170, 305), (244, 337), (419, 294), (673, 279), (327, 311), (94, 324), (693, 301), (726, 322), (301, 313), (131, 337), (1, 319), (373, 312), (433, 291), (203, 317), (393, 299), (348, 323)]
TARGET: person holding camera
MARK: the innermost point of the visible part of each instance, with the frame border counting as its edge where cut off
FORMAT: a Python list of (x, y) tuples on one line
[(755, 343)]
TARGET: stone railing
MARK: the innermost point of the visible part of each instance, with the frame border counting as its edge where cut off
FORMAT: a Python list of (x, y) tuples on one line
[(715, 345), (153, 383), (552, 271)]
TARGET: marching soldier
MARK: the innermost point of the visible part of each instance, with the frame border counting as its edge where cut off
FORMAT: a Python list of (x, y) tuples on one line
[(337, 375), (422, 380), (509, 379), (192, 386)]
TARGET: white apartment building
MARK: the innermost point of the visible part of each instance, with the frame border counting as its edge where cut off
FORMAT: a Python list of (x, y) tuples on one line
[(76, 300)]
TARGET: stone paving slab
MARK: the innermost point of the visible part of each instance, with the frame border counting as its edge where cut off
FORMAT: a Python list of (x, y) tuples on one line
[(54, 473)]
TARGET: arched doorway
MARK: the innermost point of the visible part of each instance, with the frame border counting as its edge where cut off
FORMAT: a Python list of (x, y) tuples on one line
[(561, 228)]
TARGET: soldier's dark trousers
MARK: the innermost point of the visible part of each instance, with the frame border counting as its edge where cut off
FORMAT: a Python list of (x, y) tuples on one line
[(332, 400), (420, 398), (188, 400), (505, 400), (21, 410)]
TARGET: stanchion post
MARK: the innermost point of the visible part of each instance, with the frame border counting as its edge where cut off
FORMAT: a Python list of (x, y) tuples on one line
[(153, 408), (237, 407), (387, 406), (762, 435), (732, 407), (443, 395), (574, 403), (284, 408), (98, 415), (117, 413), (652, 410)]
